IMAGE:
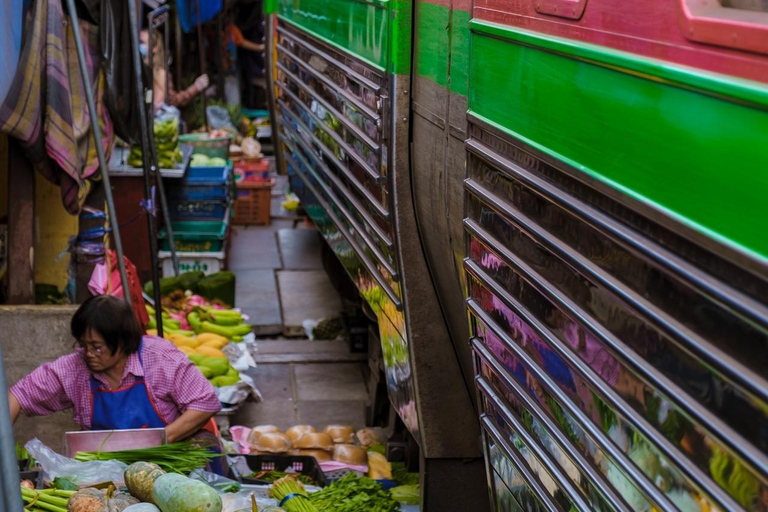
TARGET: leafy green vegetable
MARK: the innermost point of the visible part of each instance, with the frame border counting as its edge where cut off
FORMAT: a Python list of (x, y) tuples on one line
[(378, 448), (408, 494), (353, 494), (401, 475), (272, 476), (65, 483)]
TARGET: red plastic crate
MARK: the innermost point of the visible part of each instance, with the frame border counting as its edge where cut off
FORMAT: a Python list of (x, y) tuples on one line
[(252, 170), (253, 202)]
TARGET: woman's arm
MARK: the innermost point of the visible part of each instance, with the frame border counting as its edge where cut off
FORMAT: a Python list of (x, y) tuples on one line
[(43, 392), (186, 425), (182, 98), (193, 395), (15, 407), (250, 45)]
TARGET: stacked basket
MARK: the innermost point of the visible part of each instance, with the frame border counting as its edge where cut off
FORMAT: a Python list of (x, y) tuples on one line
[(200, 209)]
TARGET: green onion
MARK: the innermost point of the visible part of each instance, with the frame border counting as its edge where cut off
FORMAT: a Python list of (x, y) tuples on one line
[(44, 501), (297, 499), (182, 457)]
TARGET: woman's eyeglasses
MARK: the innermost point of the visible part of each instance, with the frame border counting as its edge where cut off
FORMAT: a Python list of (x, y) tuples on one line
[(83, 348)]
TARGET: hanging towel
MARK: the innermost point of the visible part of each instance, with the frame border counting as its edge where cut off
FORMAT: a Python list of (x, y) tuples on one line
[(45, 108)]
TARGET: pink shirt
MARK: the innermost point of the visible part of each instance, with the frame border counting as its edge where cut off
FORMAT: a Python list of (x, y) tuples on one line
[(171, 378)]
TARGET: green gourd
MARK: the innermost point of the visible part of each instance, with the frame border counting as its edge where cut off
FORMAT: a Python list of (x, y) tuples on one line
[(142, 507), (176, 493), (140, 478)]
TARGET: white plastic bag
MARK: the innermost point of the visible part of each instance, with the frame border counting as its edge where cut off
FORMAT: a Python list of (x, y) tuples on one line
[(57, 465)]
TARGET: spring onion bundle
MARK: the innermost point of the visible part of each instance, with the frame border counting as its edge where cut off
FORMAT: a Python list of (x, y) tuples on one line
[(352, 493), (292, 495), (48, 500), (182, 457)]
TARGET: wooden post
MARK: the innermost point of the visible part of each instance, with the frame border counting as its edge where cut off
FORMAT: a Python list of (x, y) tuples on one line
[(21, 226)]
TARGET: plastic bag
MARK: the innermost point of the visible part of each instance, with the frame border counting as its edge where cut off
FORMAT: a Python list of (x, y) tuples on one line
[(108, 282), (218, 482), (241, 501), (166, 112), (57, 465), (218, 119)]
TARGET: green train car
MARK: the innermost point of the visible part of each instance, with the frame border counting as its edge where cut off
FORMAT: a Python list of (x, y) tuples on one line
[(558, 212)]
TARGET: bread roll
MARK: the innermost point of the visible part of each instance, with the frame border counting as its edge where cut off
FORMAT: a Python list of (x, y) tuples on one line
[(367, 437), (319, 455), (273, 442), (256, 432), (341, 434), (294, 433), (314, 441), (350, 454)]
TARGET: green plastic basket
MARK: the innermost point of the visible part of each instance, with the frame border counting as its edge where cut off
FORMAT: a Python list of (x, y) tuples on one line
[(212, 148), (195, 236)]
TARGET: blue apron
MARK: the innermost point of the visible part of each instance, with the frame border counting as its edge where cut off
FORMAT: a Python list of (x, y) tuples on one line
[(133, 407), (124, 408)]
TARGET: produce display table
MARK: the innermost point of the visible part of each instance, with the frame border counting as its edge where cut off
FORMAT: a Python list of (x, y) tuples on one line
[(118, 166)]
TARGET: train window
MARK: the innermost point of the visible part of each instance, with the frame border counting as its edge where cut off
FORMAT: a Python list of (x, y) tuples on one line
[(746, 5), (738, 24)]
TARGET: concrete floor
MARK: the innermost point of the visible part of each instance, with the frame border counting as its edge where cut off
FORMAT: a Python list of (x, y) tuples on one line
[(281, 283)]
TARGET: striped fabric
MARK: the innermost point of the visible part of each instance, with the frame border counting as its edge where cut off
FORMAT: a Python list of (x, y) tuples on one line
[(45, 108)]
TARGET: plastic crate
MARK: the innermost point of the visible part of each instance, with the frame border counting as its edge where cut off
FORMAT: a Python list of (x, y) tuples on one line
[(198, 211), (251, 171), (301, 464), (200, 192), (213, 148), (206, 262), (207, 174), (253, 202), (195, 236)]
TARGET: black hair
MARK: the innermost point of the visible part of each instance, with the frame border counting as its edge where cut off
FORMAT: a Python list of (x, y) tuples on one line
[(113, 319)]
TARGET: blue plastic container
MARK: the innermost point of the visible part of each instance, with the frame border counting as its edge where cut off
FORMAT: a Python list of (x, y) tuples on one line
[(200, 192), (209, 184), (208, 174)]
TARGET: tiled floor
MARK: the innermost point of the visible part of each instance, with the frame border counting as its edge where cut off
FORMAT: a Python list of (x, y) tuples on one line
[(281, 283)]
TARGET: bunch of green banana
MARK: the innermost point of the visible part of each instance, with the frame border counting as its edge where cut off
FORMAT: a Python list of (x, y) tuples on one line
[(224, 322), (166, 143)]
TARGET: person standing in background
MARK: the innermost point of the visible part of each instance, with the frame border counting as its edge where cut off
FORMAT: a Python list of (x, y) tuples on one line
[(232, 39), (250, 20), (160, 76)]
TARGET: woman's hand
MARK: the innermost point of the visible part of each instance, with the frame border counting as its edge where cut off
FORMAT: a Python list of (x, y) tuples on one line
[(186, 425), (201, 82)]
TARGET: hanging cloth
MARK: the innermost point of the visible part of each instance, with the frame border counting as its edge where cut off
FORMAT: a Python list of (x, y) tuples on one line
[(45, 108), (117, 62)]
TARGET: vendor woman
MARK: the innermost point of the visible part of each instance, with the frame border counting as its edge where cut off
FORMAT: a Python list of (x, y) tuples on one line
[(118, 379)]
